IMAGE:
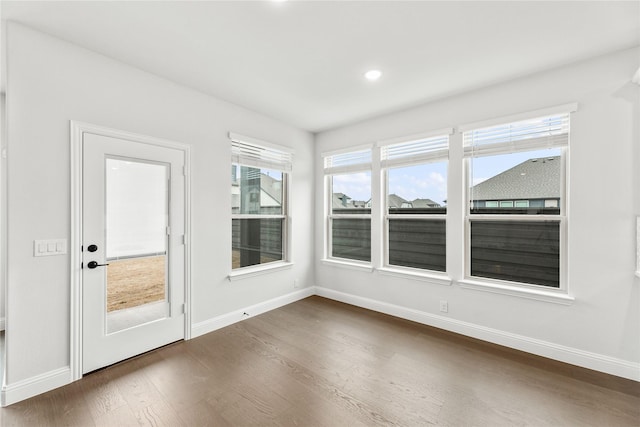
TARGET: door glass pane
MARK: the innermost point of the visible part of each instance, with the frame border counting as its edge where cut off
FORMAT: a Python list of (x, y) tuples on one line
[(136, 243)]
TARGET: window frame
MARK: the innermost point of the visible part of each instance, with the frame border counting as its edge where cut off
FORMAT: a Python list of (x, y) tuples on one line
[(523, 289), (353, 164), (274, 157), (442, 155)]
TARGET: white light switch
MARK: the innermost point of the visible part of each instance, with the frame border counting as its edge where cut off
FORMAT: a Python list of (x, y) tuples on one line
[(49, 247)]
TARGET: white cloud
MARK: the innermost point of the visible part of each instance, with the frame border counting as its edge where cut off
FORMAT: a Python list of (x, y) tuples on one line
[(355, 185), (411, 187)]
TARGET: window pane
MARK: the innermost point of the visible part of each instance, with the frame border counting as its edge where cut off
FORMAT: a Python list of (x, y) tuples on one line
[(256, 191), (518, 251), (517, 183), (256, 241), (351, 238), (351, 193), (418, 243), (418, 189)]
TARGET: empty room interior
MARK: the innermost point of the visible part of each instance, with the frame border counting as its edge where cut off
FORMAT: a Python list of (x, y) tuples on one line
[(332, 213)]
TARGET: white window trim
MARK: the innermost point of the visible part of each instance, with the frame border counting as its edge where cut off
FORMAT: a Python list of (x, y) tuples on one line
[(428, 276), (415, 137), (550, 111), (287, 173), (258, 270), (352, 168), (515, 289), (236, 137), (350, 264)]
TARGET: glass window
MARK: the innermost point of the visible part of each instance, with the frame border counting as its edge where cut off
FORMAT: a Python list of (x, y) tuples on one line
[(258, 200), (350, 218), (415, 220), (516, 190), (522, 183), (517, 251)]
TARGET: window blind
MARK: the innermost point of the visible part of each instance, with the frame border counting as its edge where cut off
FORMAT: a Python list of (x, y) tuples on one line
[(351, 161), (251, 152), (525, 135), (416, 151)]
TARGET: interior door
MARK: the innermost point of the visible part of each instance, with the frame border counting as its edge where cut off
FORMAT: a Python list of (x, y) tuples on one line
[(133, 272)]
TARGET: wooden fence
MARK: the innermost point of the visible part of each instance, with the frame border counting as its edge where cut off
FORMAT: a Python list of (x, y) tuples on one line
[(256, 240), (520, 251)]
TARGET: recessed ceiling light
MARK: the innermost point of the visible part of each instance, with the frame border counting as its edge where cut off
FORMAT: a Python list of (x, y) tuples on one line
[(373, 75)]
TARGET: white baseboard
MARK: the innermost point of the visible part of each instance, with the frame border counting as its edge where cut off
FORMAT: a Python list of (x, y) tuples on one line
[(227, 319), (573, 356), (33, 386)]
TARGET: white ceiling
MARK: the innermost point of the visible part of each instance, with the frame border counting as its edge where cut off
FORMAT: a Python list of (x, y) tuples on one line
[(302, 61)]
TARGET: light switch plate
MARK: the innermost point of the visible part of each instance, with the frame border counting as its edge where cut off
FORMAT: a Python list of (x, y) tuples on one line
[(49, 247)]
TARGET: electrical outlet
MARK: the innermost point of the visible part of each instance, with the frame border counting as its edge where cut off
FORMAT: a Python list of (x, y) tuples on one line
[(295, 283), (444, 306)]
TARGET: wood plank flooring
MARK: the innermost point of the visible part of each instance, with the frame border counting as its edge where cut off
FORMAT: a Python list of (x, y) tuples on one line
[(322, 363)]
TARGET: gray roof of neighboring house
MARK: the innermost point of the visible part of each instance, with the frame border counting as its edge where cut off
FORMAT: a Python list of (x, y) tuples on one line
[(425, 203), (340, 200), (532, 179), (396, 201)]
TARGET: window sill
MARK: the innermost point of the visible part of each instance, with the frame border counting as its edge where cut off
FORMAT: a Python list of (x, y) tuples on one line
[(433, 278), (354, 265), (246, 272), (517, 291)]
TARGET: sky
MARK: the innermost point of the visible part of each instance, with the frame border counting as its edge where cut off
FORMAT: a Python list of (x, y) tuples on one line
[(429, 181)]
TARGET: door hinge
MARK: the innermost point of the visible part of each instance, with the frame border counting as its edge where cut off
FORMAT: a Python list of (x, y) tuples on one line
[(182, 309), (184, 239), (184, 171), (168, 230)]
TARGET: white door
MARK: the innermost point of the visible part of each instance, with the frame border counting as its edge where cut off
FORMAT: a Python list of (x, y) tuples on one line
[(133, 256)]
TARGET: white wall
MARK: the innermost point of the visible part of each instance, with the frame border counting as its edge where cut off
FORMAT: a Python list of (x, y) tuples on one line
[(50, 82), (604, 321)]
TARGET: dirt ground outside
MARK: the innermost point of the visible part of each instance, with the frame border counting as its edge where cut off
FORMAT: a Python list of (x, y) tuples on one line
[(135, 281), (235, 259)]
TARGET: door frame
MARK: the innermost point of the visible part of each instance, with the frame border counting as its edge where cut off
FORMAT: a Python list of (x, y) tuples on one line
[(77, 130)]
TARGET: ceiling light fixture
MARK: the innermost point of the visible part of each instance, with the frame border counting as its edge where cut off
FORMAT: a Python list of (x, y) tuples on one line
[(373, 75)]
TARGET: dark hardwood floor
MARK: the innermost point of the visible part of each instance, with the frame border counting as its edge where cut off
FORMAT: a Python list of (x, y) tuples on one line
[(322, 363)]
